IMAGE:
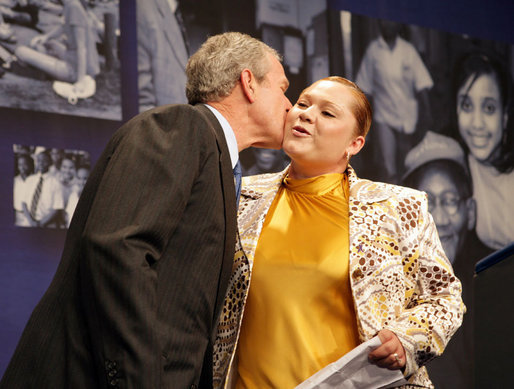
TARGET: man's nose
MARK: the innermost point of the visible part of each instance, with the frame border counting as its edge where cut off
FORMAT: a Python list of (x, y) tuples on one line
[(440, 215)]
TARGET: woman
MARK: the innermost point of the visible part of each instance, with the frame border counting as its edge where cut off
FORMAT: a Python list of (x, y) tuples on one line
[(482, 94), (67, 53), (79, 182), (338, 260), (67, 174)]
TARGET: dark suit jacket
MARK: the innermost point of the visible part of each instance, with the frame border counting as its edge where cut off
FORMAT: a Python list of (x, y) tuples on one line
[(135, 299)]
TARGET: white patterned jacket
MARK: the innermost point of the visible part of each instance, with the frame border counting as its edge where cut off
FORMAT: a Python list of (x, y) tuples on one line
[(400, 277)]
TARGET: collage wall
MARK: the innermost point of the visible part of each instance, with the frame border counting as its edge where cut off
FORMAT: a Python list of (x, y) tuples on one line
[(438, 75)]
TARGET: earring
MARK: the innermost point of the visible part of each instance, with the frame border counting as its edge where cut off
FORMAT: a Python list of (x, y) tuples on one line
[(348, 156)]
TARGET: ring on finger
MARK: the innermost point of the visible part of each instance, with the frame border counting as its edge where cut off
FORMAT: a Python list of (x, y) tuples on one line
[(398, 359)]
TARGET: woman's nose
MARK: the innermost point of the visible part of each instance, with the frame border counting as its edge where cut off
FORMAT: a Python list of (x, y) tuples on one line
[(477, 119), (306, 115)]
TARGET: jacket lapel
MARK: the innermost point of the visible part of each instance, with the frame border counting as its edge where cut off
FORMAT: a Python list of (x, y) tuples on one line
[(367, 220), (254, 207), (363, 194), (228, 188)]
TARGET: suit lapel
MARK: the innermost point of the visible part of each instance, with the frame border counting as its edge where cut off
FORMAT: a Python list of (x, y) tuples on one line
[(228, 188)]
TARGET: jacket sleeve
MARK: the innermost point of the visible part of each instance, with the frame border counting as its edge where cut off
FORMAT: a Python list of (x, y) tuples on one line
[(434, 309), (138, 203)]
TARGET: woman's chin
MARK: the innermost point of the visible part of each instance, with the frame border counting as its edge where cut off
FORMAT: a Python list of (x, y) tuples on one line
[(293, 146), (293, 153)]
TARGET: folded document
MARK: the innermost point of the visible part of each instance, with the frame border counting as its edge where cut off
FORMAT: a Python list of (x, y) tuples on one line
[(354, 371)]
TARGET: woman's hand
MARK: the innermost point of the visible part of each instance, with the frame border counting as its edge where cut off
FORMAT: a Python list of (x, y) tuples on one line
[(390, 354)]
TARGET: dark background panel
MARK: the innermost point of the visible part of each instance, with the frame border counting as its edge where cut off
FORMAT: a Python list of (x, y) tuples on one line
[(486, 20)]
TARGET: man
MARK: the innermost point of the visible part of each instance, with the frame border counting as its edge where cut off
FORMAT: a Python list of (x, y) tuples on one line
[(437, 166), (394, 75), (149, 252), (56, 156), (79, 183), (162, 54), (42, 201), (25, 165)]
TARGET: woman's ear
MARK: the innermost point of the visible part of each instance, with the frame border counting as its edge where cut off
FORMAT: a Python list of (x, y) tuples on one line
[(248, 83), (356, 145)]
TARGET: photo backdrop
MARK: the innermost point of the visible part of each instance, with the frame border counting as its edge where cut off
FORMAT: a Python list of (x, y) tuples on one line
[(317, 39)]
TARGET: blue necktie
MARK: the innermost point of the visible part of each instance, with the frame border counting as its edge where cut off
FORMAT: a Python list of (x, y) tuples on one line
[(237, 176)]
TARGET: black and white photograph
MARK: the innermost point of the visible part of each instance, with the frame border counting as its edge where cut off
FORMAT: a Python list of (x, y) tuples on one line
[(169, 31), (259, 161), (47, 185), (442, 123), (420, 80), (61, 56)]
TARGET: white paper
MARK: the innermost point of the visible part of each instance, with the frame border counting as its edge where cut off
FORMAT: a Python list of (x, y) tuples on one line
[(354, 371)]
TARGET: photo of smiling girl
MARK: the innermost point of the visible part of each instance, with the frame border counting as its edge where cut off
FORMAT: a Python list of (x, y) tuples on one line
[(482, 92)]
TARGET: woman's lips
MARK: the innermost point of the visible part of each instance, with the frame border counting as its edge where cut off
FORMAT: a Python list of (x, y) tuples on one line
[(479, 140), (300, 131)]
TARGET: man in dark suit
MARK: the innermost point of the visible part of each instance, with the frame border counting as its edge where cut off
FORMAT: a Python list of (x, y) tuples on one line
[(149, 252)]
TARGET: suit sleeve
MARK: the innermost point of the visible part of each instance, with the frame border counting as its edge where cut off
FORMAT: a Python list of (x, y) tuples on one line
[(435, 310), (139, 202)]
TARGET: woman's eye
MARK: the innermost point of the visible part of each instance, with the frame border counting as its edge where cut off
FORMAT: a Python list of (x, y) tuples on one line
[(489, 108), (466, 105), (326, 113)]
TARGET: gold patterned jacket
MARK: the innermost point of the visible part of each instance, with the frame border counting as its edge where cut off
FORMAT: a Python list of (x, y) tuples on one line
[(400, 277)]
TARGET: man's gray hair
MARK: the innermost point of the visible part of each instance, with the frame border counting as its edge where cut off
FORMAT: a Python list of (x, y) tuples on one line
[(214, 70)]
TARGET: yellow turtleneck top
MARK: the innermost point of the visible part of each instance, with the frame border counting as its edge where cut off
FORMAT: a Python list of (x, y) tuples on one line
[(299, 316)]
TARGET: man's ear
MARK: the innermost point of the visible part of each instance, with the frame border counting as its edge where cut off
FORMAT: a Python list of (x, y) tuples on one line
[(248, 83)]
